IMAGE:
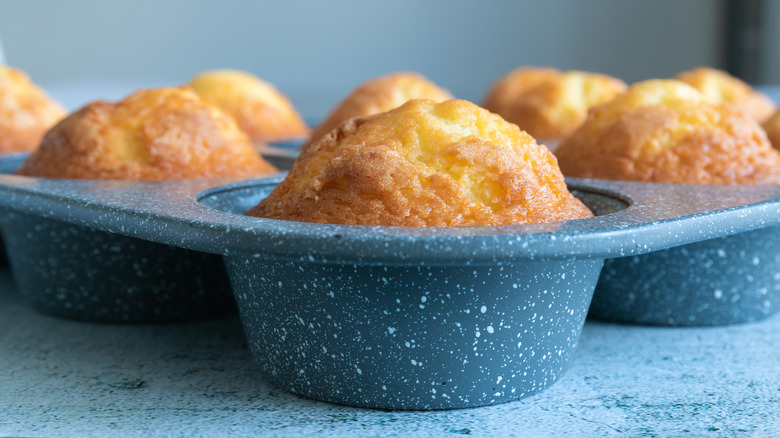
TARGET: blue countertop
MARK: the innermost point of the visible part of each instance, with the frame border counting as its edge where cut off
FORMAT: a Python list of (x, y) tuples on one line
[(68, 378)]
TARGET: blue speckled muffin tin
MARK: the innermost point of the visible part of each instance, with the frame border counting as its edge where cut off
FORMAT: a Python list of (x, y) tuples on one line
[(437, 318)]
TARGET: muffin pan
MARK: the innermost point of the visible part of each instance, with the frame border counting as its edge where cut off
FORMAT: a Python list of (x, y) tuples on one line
[(419, 318)]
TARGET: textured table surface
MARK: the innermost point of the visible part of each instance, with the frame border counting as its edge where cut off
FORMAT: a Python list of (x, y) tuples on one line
[(67, 378)]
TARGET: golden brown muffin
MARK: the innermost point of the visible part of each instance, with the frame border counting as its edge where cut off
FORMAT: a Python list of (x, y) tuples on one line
[(719, 87), (424, 164), (666, 131), (259, 108), (379, 95), (548, 103), (160, 134), (26, 112), (772, 128)]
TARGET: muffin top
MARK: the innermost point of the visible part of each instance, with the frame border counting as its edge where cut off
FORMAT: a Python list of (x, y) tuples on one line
[(26, 112), (259, 108), (159, 134), (719, 87), (772, 128), (424, 164), (379, 95), (666, 131), (549, 103)]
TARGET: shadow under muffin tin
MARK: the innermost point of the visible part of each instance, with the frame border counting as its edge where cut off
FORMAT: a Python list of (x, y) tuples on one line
[(392, 317)]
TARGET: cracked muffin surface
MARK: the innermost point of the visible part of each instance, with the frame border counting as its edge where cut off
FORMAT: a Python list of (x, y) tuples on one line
[(549, 103), (379, 95), (666, 131), (424, 164), (158, 134)]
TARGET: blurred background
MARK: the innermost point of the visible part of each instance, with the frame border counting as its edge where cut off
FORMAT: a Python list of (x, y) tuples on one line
[(318, 51)]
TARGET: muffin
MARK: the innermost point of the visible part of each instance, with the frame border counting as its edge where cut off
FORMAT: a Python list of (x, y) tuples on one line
[(159, 134), (666, 131), (424, 164), (548, 103), (719, 87), (379, 95), (26, 112), (772, 128), (260, 109)]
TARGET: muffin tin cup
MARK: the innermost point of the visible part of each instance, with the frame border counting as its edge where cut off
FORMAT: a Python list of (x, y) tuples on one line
[(413, 337), (722, 281), (79, 272), (299, 284)]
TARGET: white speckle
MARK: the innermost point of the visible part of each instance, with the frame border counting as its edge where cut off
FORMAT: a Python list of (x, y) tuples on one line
[(519, 344), (483, 309), (408, 345), (755, 260), (423, 299), (499, 380), (721, 253), (718, 293), (478, 334), (457, 324), (280, 284), (384, 388), (359, 371), (468, 311), (414, 362), (490, 329), (391, 330), (433, 390), (384, 280)]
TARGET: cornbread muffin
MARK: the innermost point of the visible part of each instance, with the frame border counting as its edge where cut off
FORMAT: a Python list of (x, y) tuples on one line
[(259, 108), (666, 131), (160, 134), (772, 128), (424, 164), (379, 95), (548, 103), (26, 112), (719, 87)]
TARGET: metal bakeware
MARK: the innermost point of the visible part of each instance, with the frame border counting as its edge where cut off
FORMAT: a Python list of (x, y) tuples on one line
[(81, 272), (405, 318)]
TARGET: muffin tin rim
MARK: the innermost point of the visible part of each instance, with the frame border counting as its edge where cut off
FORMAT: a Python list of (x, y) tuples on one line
[(127, 207)]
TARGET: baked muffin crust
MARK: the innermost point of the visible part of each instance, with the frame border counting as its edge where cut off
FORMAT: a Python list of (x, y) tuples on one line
[(159, 134), (720, 87), (259, 108), (666, 131), (548, 103), (424, 164), (26, 112), (379, 95)]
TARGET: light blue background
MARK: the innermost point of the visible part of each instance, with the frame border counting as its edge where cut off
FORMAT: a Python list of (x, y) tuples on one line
[(317, 51)]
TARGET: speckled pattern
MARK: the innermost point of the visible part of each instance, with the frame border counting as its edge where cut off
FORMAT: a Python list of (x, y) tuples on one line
[(413, 337), (79, 272), (721, 281), (202, 216)]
